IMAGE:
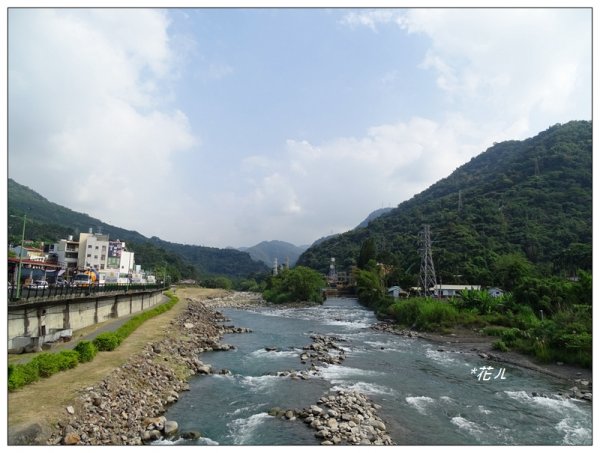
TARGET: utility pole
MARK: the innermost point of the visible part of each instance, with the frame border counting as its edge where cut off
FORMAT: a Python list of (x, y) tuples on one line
[(460, 201), (427, 273), (21, 258)]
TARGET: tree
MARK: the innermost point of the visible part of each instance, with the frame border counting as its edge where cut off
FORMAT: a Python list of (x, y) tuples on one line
[(368, 252), (370, 286), (510, 269), (300, 284)]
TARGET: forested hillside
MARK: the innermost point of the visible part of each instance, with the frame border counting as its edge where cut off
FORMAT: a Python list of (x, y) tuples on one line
[(49, 222), (529, 199)]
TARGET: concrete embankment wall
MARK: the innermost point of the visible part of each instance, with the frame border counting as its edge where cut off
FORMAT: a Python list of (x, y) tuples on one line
[(32, 324)]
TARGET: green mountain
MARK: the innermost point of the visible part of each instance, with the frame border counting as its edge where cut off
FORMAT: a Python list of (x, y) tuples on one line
[(49, 222), (374, 215), (530, 197), (267, 251)]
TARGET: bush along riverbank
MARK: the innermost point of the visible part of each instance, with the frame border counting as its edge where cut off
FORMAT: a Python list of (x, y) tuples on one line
[(126, 407), (548, 318)]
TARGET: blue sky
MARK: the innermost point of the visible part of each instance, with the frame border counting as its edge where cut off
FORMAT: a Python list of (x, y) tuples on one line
[(246, 125)]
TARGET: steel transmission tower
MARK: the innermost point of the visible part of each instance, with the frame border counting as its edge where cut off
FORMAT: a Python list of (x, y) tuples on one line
[(427, 278)]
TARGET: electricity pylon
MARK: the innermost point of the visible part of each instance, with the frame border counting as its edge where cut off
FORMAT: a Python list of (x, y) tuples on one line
[(427, 275)]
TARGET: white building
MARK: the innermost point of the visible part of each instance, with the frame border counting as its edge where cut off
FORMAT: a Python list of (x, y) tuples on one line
[(93, 251), (29, 253), (453, 290), (127, 265), (396, 292), (67, 252)]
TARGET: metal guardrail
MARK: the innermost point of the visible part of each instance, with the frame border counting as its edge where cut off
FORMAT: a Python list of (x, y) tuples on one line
[(68, 292)]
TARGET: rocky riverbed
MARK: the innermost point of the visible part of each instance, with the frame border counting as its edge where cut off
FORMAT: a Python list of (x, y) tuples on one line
[(126, 408), (235, 299), (339, 418)]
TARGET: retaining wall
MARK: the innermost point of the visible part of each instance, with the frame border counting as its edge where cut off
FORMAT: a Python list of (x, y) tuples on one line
[(31, 325)]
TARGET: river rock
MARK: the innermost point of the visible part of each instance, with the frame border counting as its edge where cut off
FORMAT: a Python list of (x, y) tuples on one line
[(316, 410), (191, 435), (151, 435), (171, 428), (71, 439), (349, 417)]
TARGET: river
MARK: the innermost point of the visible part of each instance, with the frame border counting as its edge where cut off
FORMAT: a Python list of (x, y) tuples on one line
[(427, 396)]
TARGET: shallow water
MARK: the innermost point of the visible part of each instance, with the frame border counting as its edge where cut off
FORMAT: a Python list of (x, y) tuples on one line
[(428, 397)]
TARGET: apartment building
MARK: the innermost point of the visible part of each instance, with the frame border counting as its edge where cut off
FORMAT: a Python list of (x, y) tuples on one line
[(93, 251)]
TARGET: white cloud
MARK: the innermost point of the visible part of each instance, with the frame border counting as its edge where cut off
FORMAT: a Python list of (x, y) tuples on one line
[(89, 125), (527, 66), (92, 126), (313, 189), (369, 18)]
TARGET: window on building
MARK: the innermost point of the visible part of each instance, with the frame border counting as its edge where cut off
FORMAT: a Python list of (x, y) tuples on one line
[(89, 255)]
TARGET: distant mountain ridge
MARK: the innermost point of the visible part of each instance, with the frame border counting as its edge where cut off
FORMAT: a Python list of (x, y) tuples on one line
[(374, 215), (531, 197), (49, 221), (267, 251)]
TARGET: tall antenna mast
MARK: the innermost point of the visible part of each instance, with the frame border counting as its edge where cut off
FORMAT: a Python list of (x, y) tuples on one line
[(332, 277), (427, 274)]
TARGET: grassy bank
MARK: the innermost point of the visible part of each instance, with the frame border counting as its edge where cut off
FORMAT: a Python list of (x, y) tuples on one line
[(566, 337), (41, 403), (46, 364)]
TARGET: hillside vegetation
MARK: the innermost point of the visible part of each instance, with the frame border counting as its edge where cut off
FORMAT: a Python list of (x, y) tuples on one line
[(518, 216), (49, 222), (530, 198)]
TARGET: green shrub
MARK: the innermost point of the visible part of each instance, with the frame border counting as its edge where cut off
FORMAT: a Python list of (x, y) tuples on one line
[(500, 346), (130, 326), (86, 351), (424, 314), (494, 331), (67, 359), (47, 364), (107, 341), (22, 374), (525, 318), (509, 336)]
